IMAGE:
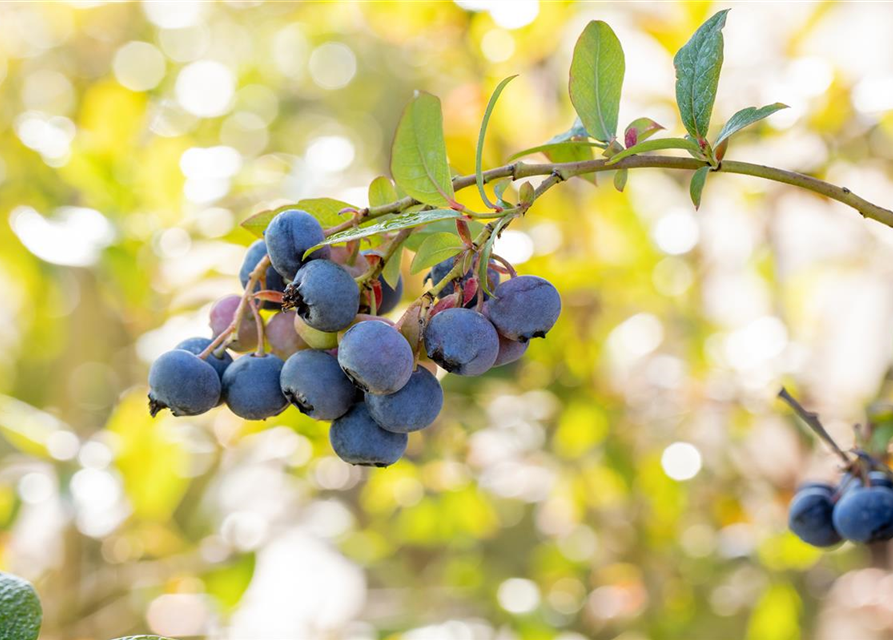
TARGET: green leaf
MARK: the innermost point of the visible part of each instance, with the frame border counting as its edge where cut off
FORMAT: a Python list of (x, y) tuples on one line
[(697, 185), (478, 173), (228, 583), (596, 78), (437, 247), (381, 192), (698, 65), (620, 178), (418, 156), (657, 145), (404, 221), (391, 271), (323, 209), (568, 146), (745, 118)]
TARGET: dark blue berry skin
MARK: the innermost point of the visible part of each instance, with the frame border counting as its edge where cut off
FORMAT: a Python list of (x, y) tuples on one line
[(441, 269), (316, 385), (880, 479), (390, 296), (376, 357), (524, 307), (274, 282), (357, 439), (197, 345), (414, 407), (865, 514), (509, 351), (810, 518), (182, 382), (325, 295), (288, 236), (462, 341), (877, 478), (251, 387)]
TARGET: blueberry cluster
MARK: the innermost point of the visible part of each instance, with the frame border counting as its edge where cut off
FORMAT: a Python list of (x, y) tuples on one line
[(333, 360), (858, 509)]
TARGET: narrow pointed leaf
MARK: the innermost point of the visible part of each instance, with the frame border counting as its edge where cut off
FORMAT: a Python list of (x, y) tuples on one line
[(656, 145), (404, 221), (698, 65), (620, 178), (418, 155), (697, 185), (381, 192), (436, 248), (478, 161), (596, 79), (745, 118)]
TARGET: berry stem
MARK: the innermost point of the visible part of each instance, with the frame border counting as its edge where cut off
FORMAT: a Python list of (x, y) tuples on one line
[(259, 271), (259, 324), (813, 422)]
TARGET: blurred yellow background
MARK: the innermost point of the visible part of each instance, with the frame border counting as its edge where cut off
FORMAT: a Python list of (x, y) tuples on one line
[(627, 480)]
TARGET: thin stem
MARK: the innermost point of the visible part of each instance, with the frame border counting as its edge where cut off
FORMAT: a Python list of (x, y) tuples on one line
[(260, 271), (259, 324), (566, 170), (812, 420)]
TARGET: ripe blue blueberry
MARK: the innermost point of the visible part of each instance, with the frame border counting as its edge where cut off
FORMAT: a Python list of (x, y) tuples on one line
[(414, 407), (251, 387), (848, 481), (810, 517), (525, 307), (197, 345), (509, 351), (462, 341), (316, 385), (865, 514), (390, 296), (376, 357), (222, 313), (288, 236), (184, 383), (357, 439), (274, 282), (818, 486), (325, 295), (282, 336)]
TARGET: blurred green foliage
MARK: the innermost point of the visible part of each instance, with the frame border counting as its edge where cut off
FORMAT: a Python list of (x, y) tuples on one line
[(549, 500)]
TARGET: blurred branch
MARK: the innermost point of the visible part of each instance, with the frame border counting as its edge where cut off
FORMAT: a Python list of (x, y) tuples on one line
[(812, 420)]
